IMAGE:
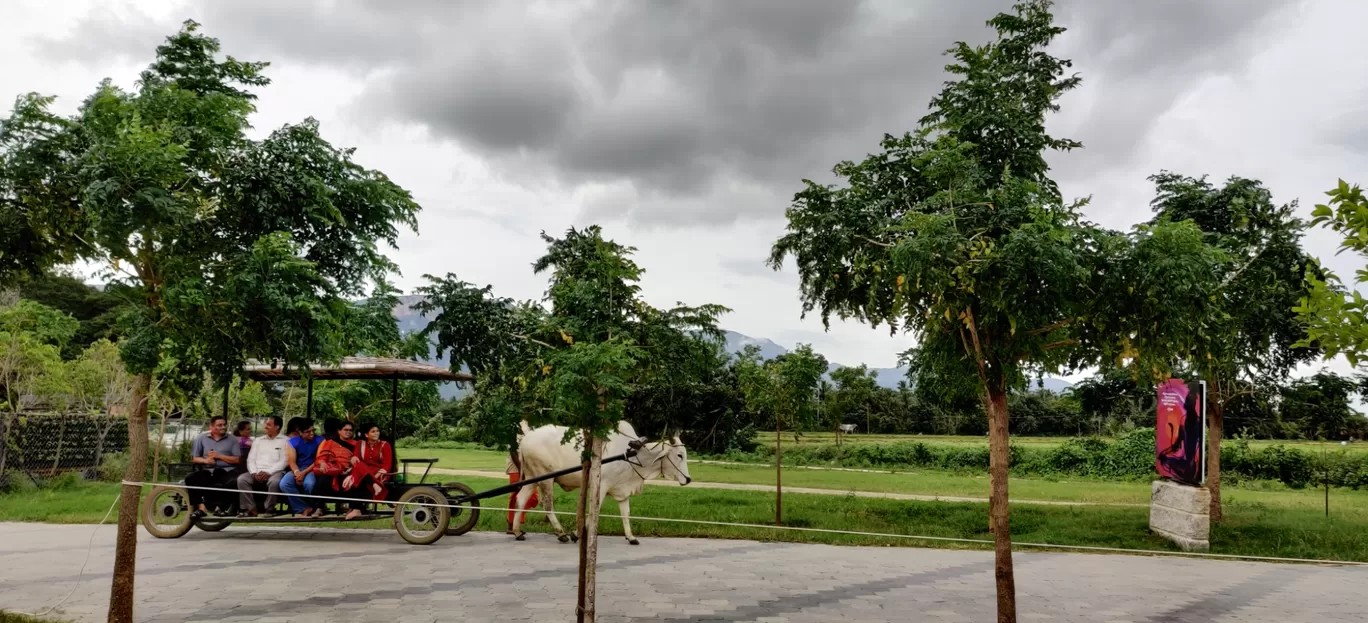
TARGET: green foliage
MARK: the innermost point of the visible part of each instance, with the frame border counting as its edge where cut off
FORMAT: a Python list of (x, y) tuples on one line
[(230, 247), (96, 309), (1244, 329), (1336, 317), (581, 361), (40, 323), (783, 390), (1129, 457), (1319, 407), (854, 391), (31, 367), (956, 234)]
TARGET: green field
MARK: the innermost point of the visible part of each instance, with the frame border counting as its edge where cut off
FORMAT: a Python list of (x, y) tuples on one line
[(1262, 518), (934, 482), (1039, 442)]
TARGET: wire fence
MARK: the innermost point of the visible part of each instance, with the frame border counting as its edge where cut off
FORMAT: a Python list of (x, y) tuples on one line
[(39, 448), (43, 450)]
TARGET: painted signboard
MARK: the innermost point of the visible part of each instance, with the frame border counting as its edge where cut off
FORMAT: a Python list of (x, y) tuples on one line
[(1180, 432)]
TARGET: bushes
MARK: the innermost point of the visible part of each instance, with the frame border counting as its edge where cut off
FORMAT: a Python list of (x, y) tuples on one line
[(408, 443), (1129, 456), (1294, 467)]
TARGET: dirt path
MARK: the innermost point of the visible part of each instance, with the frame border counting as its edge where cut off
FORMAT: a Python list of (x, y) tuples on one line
[(770, 488)]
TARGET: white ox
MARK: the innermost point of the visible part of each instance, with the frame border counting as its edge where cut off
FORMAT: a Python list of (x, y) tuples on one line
[(542, 451)]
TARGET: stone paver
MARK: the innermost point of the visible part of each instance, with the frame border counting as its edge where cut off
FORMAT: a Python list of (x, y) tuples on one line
[(311, 574)]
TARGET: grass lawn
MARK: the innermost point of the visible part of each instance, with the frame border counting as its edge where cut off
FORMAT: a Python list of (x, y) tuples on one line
[(10, 617), (936, 482), (1036, 442), (1252, 527)]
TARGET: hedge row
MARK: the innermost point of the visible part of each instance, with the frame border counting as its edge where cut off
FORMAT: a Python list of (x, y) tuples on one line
[(1128, 457)]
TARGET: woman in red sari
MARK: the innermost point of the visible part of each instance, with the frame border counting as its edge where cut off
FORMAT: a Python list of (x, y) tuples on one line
[(374, 464), (335, 462)]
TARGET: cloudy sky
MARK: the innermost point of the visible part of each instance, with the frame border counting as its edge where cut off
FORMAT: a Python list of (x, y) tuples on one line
[(684, 128)]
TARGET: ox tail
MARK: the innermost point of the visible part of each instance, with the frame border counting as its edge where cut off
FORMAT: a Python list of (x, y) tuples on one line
[(516, 455)]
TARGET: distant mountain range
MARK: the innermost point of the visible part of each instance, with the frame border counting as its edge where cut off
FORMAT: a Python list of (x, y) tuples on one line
[(887, 377), (410, 320)]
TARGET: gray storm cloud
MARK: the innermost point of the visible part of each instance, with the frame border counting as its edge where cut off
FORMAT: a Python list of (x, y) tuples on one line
[(682, 103)]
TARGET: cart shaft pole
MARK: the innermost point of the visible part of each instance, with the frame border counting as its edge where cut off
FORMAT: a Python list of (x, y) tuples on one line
[(510, 488)]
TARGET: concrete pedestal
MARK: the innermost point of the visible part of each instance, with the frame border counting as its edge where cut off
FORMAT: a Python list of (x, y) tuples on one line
[(1182, 514)]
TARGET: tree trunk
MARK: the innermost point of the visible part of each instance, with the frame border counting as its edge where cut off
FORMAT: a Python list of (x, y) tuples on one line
[(999, 457), (778, 473), (6, 422), (156, 452), (126, 547), (588, 527), (1215, 424), (61, 437), (99, 442)]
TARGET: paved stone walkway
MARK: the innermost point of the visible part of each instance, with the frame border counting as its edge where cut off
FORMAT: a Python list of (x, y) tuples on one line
[(303, 574), (810, 490)]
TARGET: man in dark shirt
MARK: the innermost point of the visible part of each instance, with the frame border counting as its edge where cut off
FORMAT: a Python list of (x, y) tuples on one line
[(217, 454)]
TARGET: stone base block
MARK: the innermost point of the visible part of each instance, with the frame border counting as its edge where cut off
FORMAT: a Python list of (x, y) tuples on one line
[(1181, 513)]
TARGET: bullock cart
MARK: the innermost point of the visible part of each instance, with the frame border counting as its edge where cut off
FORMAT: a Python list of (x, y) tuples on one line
[(412, 501), (166, 509)]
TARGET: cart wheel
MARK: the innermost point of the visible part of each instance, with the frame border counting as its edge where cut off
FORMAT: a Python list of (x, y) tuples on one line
[(467, 517), (212, 525), (166, 512), (421, 525)]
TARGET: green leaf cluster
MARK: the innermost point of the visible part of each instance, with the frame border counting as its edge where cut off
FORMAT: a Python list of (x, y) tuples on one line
[(1336, 314), (229, 247), (578, 360)]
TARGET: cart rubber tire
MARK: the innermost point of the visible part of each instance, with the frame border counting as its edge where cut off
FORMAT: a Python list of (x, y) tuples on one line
[(149, 513), (469, 517), (213, 525), (442, 517)]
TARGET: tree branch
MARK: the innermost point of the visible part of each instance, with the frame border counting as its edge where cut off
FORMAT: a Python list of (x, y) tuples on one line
[(978, 348), (1048, 328), (533, 340), (1225, 282), (1059, 344)]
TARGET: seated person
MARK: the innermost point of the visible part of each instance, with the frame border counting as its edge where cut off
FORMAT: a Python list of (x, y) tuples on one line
[(334, 462), (265, 467), (376, 461), (300, 454), (243, 432), (216, 455)]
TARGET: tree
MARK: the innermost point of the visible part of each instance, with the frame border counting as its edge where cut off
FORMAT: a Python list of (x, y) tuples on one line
[(104, 387), (233, 248), (1320, 406), (784, 389), (97, 309), (854, 394), (1336, 318), (575, 364), (956, 234), (31, 340), (1248, 337)]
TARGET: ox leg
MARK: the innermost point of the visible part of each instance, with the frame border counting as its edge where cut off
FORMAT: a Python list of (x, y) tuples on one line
[(548, 494), (626, 506), (524, 494)]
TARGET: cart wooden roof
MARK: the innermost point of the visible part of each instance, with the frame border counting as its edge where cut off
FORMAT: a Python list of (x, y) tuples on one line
[(356, 368)]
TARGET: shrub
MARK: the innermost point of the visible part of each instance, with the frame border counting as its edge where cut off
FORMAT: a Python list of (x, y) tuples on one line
[(1129, 456)]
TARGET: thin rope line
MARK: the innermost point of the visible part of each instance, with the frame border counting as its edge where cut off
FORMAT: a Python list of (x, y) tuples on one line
[(1092, 548), (90, 545)]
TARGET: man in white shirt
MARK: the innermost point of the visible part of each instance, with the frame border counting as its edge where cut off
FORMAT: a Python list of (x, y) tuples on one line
[(266, 464)]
